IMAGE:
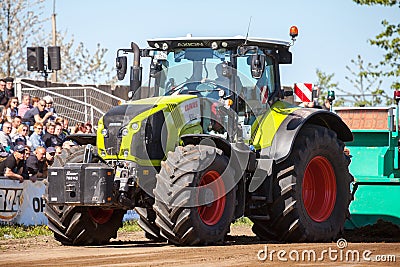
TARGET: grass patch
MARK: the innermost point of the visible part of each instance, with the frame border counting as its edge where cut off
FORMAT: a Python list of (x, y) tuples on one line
[(130, 226), (21, 231), (243, 221)]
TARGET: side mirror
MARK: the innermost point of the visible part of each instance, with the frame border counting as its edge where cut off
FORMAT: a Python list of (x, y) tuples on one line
[(121, 64), (155, 68), (257, 66)]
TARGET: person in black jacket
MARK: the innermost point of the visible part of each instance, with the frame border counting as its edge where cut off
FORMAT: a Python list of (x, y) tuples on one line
[(37, 114), (13, 167), (3, 95), (50, 138), (9, 87), (36, 164)]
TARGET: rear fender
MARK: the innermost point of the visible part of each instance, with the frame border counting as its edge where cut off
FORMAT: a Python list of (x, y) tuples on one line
[(283, 141)]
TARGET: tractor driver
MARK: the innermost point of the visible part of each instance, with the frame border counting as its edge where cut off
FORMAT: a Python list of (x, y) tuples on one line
[(223, 72)]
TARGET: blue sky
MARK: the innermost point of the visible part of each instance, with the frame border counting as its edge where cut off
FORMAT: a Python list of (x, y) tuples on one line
[(331, 33)]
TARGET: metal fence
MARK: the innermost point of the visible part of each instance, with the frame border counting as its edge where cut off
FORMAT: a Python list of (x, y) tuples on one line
[(77, 104)]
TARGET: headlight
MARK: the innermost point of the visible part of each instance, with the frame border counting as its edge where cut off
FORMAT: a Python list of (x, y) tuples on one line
[(135, 126), (164, 46), (104, 132), (125, 132)]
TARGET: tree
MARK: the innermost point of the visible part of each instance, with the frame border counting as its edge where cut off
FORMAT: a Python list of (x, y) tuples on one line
[(96, 65), (389, 40), (21, 23), (78, 64), (325, 84), (367, 84), (19, 26)]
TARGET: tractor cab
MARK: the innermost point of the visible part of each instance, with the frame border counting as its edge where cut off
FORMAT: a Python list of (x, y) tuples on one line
[(241, 74)]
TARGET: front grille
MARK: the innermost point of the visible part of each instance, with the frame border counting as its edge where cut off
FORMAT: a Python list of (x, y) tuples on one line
[(176, 115), (151, 140), (112, 143), (115, 120)]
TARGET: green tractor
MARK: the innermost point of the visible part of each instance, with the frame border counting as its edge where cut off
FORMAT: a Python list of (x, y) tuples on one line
[(205, 141)]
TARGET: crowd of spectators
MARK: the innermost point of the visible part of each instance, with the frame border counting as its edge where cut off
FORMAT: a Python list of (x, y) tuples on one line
[(31, 134)]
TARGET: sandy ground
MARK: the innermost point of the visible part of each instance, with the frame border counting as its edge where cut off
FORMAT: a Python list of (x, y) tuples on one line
[(241, 249)]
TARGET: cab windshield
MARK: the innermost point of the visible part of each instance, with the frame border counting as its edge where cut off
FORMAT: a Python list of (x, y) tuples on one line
[(212, 73), (189, 70)]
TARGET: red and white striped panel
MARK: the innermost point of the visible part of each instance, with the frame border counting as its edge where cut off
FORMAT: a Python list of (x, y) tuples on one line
[(303, 92), (264, 94)]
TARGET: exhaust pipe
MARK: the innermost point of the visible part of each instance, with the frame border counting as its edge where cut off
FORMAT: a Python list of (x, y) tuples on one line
[(136, 71)]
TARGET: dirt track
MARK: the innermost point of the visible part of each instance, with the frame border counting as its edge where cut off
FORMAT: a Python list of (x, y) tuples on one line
[(241, 249)]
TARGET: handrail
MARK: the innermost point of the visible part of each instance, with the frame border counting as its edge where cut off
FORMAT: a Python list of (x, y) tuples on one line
[(76, 88), (63, 96), (76, 103), (88, 87)]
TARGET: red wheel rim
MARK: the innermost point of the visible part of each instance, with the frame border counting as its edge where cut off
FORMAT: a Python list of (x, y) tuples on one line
[(319, 189), (100, 215), (211, 213)]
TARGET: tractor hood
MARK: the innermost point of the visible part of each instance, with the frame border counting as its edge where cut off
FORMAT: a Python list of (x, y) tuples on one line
[(162, 100), (121, 115), (136, 128)]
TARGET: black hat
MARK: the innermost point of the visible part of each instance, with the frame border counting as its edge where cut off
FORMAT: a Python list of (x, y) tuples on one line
[(20, 141), (9, 79), (19, 148)]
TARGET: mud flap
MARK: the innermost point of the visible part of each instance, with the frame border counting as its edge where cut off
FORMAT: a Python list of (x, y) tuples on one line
[(263, 171)]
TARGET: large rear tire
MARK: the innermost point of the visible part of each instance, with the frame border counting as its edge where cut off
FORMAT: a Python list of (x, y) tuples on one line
[(311, 190), (194, 201), (81, 225)]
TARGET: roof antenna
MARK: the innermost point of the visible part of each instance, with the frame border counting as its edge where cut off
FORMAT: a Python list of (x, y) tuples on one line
[(247, 34)]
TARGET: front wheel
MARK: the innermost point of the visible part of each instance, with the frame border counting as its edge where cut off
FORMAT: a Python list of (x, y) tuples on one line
[(194, 201), (81, 225), (146, 221), (311, 190)]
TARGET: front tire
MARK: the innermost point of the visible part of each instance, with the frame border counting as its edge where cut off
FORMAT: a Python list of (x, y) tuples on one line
[(147, 218), (83, 226), (194, 202), (311, 190)]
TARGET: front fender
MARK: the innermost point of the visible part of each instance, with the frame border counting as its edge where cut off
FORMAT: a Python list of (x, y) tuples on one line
[(82, 139), (286, 134)]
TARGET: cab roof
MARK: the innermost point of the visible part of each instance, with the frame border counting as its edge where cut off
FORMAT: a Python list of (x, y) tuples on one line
[(222, 42)]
